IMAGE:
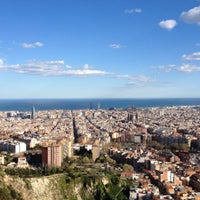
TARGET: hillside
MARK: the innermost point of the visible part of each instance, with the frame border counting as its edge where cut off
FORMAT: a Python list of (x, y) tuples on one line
[(62, 187), (40, 188)]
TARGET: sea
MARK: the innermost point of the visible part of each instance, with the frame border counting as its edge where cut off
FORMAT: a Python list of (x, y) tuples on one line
[(77, 104)]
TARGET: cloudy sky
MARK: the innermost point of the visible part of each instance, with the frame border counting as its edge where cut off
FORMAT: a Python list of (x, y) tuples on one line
[(99, 48)]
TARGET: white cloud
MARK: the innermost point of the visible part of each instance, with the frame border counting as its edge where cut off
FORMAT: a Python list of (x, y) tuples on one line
[(138, 10), (68, 66), (55, 62), (165, 68), (191, 16), (115, 46), (168, 24), (193, 56), (32, 45), (51, 68), (139, 79), (122, 76), (131, 11), (1, 62), (59, 68), (86, 66), (188, 68), (84, 72)]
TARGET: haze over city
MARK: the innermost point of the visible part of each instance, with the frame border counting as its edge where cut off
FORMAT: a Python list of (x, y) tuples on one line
[(99, 49)]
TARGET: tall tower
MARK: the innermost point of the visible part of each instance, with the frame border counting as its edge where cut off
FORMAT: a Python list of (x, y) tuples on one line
[(99, 105), (33, 113), (137, 117)]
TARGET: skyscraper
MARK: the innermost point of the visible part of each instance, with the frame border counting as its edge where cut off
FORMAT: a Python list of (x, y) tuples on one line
[(33, 113), (99, 105)]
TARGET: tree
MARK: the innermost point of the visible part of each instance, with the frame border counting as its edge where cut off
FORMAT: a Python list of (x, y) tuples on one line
[(101, 159), (111, 161), (155, 145), (184, 147), (127, 167), (114, 179), (4, 194), (101, 193), (174, 147), (86, 159)]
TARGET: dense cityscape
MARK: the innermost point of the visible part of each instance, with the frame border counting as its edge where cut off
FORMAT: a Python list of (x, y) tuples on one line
[(160, 144), (100, 100)]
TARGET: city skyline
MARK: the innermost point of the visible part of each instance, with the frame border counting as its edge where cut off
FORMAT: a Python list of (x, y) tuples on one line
[(100, 49)]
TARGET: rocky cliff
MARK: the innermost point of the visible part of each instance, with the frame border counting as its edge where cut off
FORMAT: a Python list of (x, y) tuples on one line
[(52, 187)]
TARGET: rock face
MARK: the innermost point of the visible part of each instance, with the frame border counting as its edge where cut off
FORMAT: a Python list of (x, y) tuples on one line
[(45, 188)]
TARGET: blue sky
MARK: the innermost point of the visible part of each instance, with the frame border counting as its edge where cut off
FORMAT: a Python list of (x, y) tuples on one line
[(99, 48)]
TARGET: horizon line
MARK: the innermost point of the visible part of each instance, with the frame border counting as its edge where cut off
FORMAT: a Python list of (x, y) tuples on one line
[(96, 98)]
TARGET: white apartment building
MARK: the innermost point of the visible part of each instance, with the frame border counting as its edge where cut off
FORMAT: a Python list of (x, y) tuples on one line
[(12, 146)]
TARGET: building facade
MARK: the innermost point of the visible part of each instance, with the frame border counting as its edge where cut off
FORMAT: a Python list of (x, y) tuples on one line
[(52, 155)]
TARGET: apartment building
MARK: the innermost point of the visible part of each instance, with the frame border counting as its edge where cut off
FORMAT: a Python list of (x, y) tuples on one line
[(52, 155), (53, 152), (12, 146)]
